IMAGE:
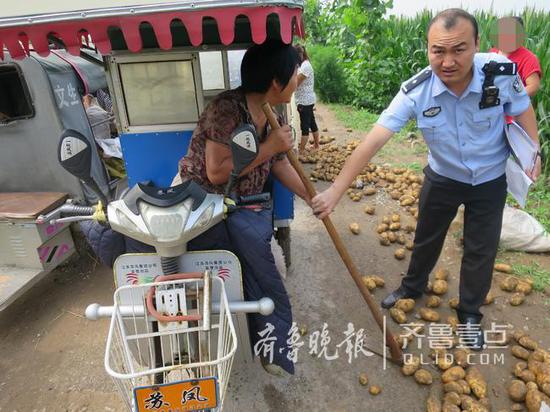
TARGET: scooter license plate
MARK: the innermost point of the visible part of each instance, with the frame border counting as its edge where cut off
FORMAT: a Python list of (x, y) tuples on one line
[(189, 395)]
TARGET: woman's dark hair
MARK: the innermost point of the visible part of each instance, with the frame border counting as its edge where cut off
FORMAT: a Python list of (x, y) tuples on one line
[(262, 63), (519, 20), (302, 53)]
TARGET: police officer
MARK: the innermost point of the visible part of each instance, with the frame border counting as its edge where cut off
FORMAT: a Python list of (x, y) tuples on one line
[(459, 103)]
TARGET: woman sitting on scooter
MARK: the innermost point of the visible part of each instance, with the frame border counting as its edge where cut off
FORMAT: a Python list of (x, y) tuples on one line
[(268, 74)]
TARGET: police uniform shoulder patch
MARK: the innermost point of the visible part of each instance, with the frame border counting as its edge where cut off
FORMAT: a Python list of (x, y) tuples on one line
[(517, 85), (416, 80), (432, 111)]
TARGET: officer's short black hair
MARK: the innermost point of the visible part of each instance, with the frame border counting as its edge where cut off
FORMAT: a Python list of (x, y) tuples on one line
[(450, 18), (263, 63)]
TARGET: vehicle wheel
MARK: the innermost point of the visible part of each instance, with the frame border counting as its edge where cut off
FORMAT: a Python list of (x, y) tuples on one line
[(283, 239)]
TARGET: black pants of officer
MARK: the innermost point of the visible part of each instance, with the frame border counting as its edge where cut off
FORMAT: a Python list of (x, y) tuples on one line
[(438, 204)]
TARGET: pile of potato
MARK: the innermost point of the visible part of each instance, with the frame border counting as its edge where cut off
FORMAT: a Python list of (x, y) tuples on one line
[(390, 231), (519, 288), (531, 385)]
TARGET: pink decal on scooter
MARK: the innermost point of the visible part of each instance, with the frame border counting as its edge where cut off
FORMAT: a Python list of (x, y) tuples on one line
[(224, 273), (132, 278), (43, 253), (64, 248), (51, 229)]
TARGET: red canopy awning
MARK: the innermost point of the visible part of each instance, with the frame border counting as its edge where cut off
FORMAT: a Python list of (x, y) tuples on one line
[(18, 39)]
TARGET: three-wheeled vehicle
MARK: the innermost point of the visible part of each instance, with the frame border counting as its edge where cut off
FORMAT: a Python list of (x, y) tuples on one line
[(163, 62)]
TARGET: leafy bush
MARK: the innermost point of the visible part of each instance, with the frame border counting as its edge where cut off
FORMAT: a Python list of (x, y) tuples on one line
[(330, 82)]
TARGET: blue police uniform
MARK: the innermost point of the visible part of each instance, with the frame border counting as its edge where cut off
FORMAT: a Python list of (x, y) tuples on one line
[(466, 165)]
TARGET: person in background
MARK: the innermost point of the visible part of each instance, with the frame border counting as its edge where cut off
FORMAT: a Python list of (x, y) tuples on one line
[(100, 120), (508, 36), (305, 100)]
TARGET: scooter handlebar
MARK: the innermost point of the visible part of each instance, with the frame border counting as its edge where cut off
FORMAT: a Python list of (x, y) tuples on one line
[(264, 306)]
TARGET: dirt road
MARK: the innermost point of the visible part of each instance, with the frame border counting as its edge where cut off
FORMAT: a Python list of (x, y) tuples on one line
[(52, 357)]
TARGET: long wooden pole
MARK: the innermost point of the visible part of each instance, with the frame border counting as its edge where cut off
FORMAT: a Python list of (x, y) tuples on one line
[(395, 350)]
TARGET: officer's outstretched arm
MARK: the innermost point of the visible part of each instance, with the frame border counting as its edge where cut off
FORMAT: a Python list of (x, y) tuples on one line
[(528, 121), (324, 203)]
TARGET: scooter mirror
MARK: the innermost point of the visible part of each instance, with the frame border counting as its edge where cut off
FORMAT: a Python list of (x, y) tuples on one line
[(75, 154), (244, 149)]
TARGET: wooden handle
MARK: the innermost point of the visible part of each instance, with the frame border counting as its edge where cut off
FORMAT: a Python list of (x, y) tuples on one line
[(395, 350)]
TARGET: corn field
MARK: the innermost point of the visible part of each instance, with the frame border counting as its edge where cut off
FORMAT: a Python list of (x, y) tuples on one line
[(366, 56)]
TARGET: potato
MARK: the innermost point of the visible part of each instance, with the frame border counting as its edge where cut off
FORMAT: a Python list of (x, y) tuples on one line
[(452, 398), (517, 407), (363, 379), (453, 321), (477, 382), (503, 267), (467, 403), (406, 305), (303, 330), (429, 315), (382, 228), (401, 239), (527, 376), (519, 367), (465, 387), (533, 400), (411, 365), (453, 386), (517, 390), (378, 280), (509, 284), (545, 388), (444, 363), (392, 237), (440, 287), (453, 374), (370, 210), (433, 404), (423, 377), (375, 390), (406, 200), (433, 301), (354, 228), (449, 407), (490, 298), (531, 386), (395, 218), (518, 334), (399, 254), (409, 245), (528, 343), (410, 228), (368, 282), (386, 220), (539, 354), (523, 287), (517, 299), (384, 241), (369, 191), (429, 287), (441, 274), (395, 226), (398, 315)]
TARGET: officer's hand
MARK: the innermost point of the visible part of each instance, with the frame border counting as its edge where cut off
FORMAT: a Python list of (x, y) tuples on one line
[(323, 204), (281, 139), (535, 173)]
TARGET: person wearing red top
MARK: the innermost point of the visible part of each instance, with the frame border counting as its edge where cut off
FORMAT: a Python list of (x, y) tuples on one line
[(509, 41)]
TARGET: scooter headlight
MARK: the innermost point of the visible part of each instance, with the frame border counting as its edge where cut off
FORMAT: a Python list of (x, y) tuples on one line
[(166, 224)]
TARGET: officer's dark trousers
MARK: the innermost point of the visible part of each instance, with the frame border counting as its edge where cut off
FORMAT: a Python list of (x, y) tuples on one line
[(439, 200)]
